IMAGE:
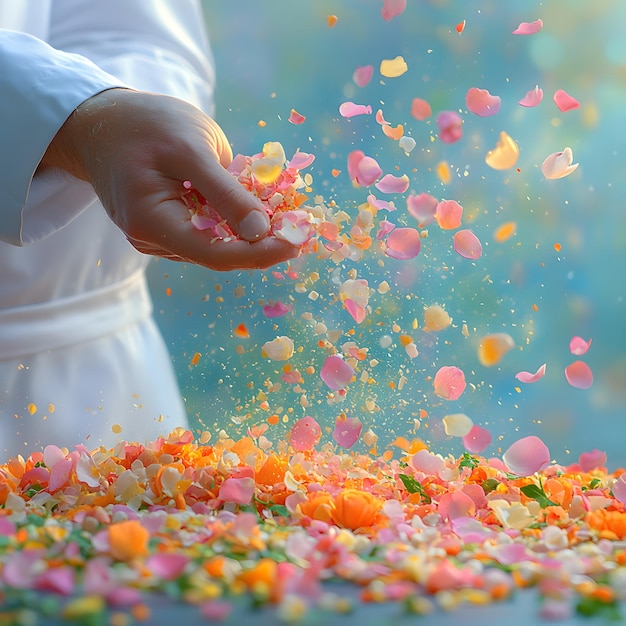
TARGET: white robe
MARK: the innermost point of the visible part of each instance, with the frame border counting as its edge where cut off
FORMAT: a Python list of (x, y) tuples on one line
[(80, 354)]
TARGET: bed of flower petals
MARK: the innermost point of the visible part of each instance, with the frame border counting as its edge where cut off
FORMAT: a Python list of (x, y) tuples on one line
[(206, 521)]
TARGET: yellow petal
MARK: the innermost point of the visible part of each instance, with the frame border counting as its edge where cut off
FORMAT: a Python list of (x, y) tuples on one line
[(504, 155)]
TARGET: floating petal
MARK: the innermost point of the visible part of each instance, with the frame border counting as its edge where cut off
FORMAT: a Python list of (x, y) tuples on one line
[(467, 244), (392, 68), (504, 155), (481, 102), (279, 349), (362, 75), (407, 144), (579, 346), (305, 434), (450, 125), (363, 170), (493, 347), (403, 244), (420, 109), (422, 208), (347, 431), (449, 382), (300, 160), (278, 309), (532, 97), (392, 8), (579, 375), (564, 101), (448, 214), (527, 377), (558, 164), (477, 439), (427, 462), (393, 133), (393, 184), (357, 311), (296, 118), (504, 232), (527, 456), (436, 318), (350, 109), (336, 373), (457, 424), (529, 28), (595, 459), (293, 226)]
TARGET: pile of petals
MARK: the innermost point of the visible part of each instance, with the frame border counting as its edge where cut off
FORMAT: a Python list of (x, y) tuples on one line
[(208, 522)]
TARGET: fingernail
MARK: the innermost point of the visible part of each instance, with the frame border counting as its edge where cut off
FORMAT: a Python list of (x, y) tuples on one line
[(254, 225)]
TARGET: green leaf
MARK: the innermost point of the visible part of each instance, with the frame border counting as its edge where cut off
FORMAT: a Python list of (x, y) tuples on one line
[(413, 486), (538, 494), (467, 460), (489, 485), (592, 607)]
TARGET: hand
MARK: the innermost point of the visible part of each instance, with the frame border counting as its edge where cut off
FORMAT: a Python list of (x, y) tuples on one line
[(136, 149)]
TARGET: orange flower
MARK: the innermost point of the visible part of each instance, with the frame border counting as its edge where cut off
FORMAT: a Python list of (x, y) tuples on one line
[(355, 509), (318, 507), (611, 524), (128, 540)]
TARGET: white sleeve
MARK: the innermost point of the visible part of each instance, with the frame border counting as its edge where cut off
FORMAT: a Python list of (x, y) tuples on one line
[(39, 89)]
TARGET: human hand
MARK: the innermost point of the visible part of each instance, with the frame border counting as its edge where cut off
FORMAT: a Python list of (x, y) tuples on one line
[(136, 149)]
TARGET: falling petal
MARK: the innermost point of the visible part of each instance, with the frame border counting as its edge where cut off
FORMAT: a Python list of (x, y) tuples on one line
[(300, 160), (448, 214), (393, 133), (380, 205), (331, 20), (493, 347), (384, 228), (579, 346), (450, 125), (460, 27), (347, 431), (467, 244), (363, 170), (392, 8), (558, 164), (362, 75), (449, 382), (296, 118), (278, 309), (279, 349), (420, 109), (403, 244), (393, 184), (527, 377), (579, 375), (527, 456), (529, 28), (305, 434), (407, 144), (564, 101), (422, 208), (436, 318), (350, 109), (336, 373), (357, 312), (504, 155), (532, 97), (477, 439), (392, 68), (443, 172), (457, 425), (481, 102), (504, 232)]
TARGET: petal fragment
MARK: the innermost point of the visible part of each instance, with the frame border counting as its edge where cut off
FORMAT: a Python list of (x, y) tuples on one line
[(532, 97), (392, 68), (529, 28), (467, 244), (527, 456), (450, 126), (403, 244), (336, 372), (564, 101), (579, 375), (558, 165), (504, 156), (449, 382), (481, 102), (579, 346), (527, 377), (350, 109), (393, 184), (362, 75), (420, 109)]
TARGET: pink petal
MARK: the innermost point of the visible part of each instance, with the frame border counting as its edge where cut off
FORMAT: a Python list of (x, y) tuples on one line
[(420, 109), (481, 102), (450, 126), (427, 462), (237, 490), (296, 118), (57, 580), (579, 375), (422, 208), (381, 205), (527, 456), (216, 610), (305, 434), (357, 312), (362, 169), (467, 244), (449, 382), (336, 373), (347, 431), (384, 228), (532, 97), (477, 439), (448, 214), (558, 165), (363, 75), (564, 101), (59, 474), (619, 489), (393, 184), (380, 118), (529, 28), (579, 346), (595, 459), (527, 377), (455, 505), (350, 109), (403, 244), (167, 565), (300, 160), (392, 8), (278, 309)]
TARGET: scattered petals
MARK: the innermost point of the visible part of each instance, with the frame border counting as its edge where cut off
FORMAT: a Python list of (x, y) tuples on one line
[(493, 347), (403, 244), (336, 372), (457, 425), (529, 28), (350, 109), (448, 214), (450, 125), (392, 68), (532, 97), (296, 118), (420, 109), (392, 8), (279, 349), (467, 244), (579, 346), (564, 101), (277, 309), (422, 208), (347, 431), (363, 75), (449, 382), (558, 164), (393, 184), (128, 540), (481, 102), (527, 377), (305, 434), (477, 439), (504, 156), (579, 375), (363, 170), (527, 456)]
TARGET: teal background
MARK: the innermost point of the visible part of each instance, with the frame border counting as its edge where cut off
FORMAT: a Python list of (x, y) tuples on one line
[(275, 55)]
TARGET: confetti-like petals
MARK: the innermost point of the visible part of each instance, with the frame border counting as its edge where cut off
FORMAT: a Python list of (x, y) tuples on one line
[(450, 125), (449, 382), (363, 75), (492, 348), (448, 214), (579, 375), (529, 28), (403, 244), (504, 156), (481, 102), (477, 439), (422, 208), (305, 434), (393, 184), (420, 109), (279, 349), (436, 318), (293, 226), (467, 244), (277, 309), (296, 118), (527, 456), (392, 8), (350, 109), (558, 164), (564, 101), (532, 97), (528, 377), (392, 68), (363, 170), (579, 346), (336, 373), (347, 431)]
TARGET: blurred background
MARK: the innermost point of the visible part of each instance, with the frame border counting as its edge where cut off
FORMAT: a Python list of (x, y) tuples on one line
[(561, 274)]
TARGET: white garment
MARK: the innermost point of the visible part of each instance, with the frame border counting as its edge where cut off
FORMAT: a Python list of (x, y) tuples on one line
[(79, 350)]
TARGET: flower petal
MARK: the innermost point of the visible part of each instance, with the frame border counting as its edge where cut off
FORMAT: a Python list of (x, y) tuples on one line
[(420, 109), (393, 184), (449, 382), (532, 97), (467, 244), (529, 28), (422, 208), (305, 434), (504, 156), (527, 456), (403, 244), (449, 214), (481, 102), (527, 377), (450, 125), (347, 431), (336, 372), (564, 101), (558, 164), (363, 75), (392, 8), (578, 345), (579, 375), (477, 439), (350, 109)]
